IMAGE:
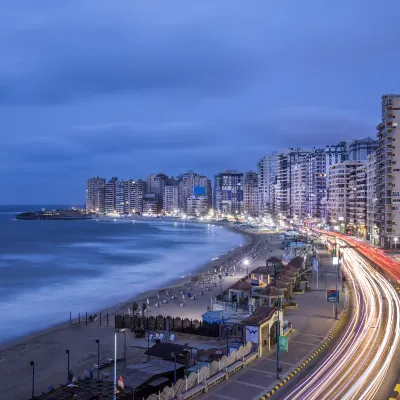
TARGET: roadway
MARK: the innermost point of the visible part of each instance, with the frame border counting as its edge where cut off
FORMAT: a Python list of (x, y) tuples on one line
[(365, 355)]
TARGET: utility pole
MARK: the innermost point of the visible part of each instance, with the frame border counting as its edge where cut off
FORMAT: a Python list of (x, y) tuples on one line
[(337, 279)]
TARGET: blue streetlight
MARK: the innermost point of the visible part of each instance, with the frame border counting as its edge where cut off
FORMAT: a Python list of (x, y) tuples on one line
[(33, 379)]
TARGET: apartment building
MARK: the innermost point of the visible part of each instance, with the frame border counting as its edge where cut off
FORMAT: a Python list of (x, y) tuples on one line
[(267, 171), (95, 195), (298, 209), (342, 195), (193, 184), (372, 231), (251, 194), (388, 172), (171, 198), (197, 206), (283, 194), (134, 191), (360, 149), (228, 192)]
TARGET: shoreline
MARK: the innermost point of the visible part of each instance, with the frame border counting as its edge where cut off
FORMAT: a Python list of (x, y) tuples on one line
[(140, 297)]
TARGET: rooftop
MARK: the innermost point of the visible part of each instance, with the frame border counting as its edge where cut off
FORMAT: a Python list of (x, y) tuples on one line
[(241, 285), (274, 260), (261, 315), (260, 270)]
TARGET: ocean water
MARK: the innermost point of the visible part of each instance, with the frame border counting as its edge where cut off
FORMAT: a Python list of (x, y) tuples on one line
[(49, 268)]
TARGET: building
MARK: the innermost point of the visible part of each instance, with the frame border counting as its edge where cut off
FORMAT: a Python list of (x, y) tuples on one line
[(251, 191), (298, 178), (171, 198), (316, 184), (228, 193), (193, 184), (267, 171), (371, 227), (197, 206), (151, 205), (388, 173), (359, 150), (335, 154), (110, 190), (120, 196), (95, 195), (283, 202), (134, 191), (342, 194)]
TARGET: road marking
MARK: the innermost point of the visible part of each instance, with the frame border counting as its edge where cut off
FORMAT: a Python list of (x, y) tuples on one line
[(252, 384), (396, 390), (309, 334), (308, 344)]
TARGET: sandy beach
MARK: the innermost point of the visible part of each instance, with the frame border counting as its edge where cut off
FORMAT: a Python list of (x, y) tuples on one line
[(47, 348)]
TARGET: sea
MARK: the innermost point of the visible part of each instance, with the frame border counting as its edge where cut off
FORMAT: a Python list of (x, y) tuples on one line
[(51, 268)]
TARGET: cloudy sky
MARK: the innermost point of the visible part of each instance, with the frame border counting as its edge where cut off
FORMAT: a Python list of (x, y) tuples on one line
[(126, 88)]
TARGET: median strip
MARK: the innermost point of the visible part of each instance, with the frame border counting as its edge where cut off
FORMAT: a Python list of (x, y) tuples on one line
[(304, 363)]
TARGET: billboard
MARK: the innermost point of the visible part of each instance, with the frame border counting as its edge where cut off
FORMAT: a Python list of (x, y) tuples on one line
[(199, 191)]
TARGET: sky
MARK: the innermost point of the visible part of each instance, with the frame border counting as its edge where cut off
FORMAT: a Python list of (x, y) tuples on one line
[(130, 88)]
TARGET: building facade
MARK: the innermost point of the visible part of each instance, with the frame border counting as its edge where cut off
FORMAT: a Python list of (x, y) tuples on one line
[(228, 193), (342, 195), (267, 171), (134, 190), (388, 173), (197, 206), (171, 198), (251, 192), (359, 150), (283, 194), (95, 195), (372, 232), (193, 184)]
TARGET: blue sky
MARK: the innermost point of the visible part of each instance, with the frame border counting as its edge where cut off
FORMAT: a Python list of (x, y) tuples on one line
[(132, 87)]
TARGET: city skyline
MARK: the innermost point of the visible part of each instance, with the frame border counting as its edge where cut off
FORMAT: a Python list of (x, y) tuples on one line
[(90, 90)]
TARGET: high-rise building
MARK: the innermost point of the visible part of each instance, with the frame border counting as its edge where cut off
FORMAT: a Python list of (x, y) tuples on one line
[(342, 213), (171, 198), (298, 179), (120, 196), (388, 173), (228, 192), (197, 206), (335, 154), (192, 184), (134, 191), (267, 171), (151, 205), (284, 197), (360, 149), (95, 195), (251, 191), (371, 228), (110, 206), (316, 184)]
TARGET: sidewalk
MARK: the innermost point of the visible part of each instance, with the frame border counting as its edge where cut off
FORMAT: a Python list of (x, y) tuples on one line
[(312, 320)]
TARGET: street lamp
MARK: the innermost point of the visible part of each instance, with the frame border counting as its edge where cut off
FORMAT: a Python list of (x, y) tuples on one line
[(246, 263), (33, 379), (278, 330), (98, 359), (67, 352), (173, 355), (395, 242)]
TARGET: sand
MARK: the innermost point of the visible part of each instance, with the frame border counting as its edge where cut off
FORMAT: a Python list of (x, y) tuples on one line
[(47, 348)]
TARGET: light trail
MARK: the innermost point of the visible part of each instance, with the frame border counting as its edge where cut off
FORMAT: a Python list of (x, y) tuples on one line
[(356, 367)]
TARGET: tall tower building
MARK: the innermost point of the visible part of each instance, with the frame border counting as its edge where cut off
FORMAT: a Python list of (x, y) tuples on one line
[(360, 149), (388, 173), (134, 191), (110, 205), (95, 195), (267, 171), (192, 184), (284, 196), (251, 194), (228, 192), (171, 198), (371, 228)]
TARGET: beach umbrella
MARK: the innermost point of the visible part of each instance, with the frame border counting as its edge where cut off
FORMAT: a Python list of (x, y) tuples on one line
[(148, 302)]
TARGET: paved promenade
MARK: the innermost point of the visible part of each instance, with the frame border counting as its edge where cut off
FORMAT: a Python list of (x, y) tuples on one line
[(312, 320)]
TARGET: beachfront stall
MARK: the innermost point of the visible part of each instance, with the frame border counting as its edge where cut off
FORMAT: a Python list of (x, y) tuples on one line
[(241, 290), (261, 328), (260, 274), (274, 265)]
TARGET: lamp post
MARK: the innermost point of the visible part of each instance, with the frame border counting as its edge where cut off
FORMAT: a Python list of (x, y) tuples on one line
[(173, 355), (395, 242), (278, 331), (67, 352), (33, 379), (246, 263), (115, 366), (98, 359)]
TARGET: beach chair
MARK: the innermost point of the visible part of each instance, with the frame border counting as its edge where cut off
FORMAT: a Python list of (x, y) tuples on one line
[(172, 337), (165, 301), (181, 304)]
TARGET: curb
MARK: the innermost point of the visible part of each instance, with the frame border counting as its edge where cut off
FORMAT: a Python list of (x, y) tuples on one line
[(309, 359)]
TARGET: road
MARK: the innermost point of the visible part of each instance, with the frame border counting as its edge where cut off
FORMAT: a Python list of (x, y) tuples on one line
[(357, 364)]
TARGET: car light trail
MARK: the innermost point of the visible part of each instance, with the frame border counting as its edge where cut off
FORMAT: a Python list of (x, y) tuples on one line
[(356, 367)]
